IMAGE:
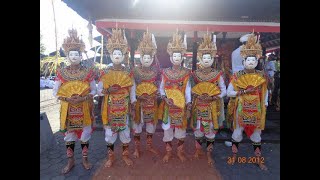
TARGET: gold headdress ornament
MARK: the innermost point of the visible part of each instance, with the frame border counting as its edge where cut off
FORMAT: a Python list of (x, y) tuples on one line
[(73, 42), (177, 44), (207, 47), (146, 45), (252, 47), (117, 41)]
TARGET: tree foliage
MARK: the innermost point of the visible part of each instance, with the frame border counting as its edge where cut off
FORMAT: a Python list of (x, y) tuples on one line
[(42, 47)]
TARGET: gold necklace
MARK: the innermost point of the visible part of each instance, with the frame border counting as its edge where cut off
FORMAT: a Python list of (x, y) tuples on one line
[(203, 71), (205, 76), (74, 74), (175, 74), (117, 69), (145, 75)]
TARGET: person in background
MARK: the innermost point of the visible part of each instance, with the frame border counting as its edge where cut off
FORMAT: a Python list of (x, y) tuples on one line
[(236, 57), (249, 87), (276, 90), (271, 69)]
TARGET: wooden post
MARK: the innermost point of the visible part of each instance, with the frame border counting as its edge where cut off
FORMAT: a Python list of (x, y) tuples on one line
[(194, 56), (132, 48), (101, 54), (194, 50)]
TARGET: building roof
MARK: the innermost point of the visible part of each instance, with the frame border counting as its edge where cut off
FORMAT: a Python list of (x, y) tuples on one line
[(190, 10)]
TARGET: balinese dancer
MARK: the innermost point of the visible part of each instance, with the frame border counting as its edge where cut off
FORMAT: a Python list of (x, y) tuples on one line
[(118, 88), (75, 87), (147, 80), (249, 86), (208, 91), (175, 90)]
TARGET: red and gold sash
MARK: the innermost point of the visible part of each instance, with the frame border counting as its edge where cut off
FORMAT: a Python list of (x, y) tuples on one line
[(171, 81), (147, 84), (115, 106), (250, 108), (74, 116), (118, 108), (204, 111)]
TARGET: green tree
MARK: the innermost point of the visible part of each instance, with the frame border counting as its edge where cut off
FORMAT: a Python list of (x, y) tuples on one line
[(42, 47)]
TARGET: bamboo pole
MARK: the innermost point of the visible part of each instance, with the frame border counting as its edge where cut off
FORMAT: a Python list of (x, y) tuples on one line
[(56, 36), (101, 57)]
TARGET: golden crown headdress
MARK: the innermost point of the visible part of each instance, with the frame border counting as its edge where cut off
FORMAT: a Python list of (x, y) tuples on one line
[(117, 41), (207, 47), (73, 42), (252, 47), (177, 44), (147, 46)]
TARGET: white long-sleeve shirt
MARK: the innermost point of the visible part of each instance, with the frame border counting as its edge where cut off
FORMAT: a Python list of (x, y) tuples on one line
[(187, 91), (236, 61), (57, 85), (132, 91), (163, 93), (222, 87), (232, 93)]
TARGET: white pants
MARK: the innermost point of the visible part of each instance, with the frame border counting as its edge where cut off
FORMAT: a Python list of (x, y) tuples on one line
[(85, 136), (178, 133), (168, 132), (200, 134), (237, 135), (137, 128), (221, 118), (111, 137)]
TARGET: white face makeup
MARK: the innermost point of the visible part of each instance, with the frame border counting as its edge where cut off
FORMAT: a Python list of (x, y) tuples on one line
[(176, 58), (117, 57), (206, 60), (74, 57), (250, 62), (146, 60)]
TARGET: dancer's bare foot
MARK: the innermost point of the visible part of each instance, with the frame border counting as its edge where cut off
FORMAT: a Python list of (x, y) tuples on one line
[(262, 166), (210, 160), (181, 156), (136, 154), (86, 163), (234, 149), (198, 154), (125, 154), (69, 166), (127, 160), (152, 150), (234, 157), (149, 145), (109, 162), (167, 156)]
